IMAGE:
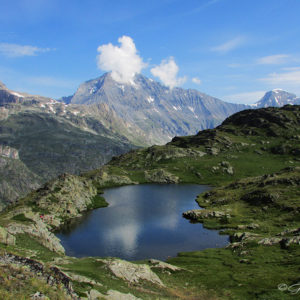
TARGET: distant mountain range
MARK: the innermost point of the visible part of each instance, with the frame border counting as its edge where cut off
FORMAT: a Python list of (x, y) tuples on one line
[(41, 138)]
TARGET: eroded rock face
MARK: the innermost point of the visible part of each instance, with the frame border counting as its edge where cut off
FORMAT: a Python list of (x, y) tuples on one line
[(131, 272)]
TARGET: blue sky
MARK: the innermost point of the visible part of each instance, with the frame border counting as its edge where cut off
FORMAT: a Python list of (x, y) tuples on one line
[(231, 49)]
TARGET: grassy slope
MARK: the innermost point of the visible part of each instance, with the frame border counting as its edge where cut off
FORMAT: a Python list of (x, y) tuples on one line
[(263, 143)]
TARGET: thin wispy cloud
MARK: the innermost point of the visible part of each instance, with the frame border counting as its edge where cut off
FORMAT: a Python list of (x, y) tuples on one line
[(229, 45), (167, 72), (123, 61), (15, 50), (273, 59), (201, 7), (291, 77)]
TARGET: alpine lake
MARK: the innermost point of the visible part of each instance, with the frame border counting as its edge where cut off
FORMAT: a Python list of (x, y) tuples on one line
[(141, 221)]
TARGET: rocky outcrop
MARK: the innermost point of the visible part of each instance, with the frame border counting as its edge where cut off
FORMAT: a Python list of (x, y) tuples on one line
[(249, 226), (196, 214), (7, 97), (284, 238), (223, 166), (82, 279), (157, 154), (64, 198), (40, 231), (111, 295), (52, 275), (243, 236), (155, 263), (161, 176), (103, 178), (130, 272), (6, 238), (9, 152)]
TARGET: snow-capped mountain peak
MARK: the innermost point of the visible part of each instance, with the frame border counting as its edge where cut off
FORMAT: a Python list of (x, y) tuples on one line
[(277, 98)]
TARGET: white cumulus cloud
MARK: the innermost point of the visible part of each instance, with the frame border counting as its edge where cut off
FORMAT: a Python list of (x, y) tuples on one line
[(123, 61), (15, 50), (196, 80), (167, 73)]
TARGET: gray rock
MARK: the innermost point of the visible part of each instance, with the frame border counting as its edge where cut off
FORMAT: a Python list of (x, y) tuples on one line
[(39, 296), (163, 265), (286, 242), (229, 170), (115, 295), (83, 279), (213, 151), (270, 241), (244, 236), (215, 168), (195, 214), (131, 272), (249, 226)]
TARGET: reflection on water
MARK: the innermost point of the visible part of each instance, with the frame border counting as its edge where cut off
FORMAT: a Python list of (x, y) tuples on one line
[(72, 224), (141, 221)]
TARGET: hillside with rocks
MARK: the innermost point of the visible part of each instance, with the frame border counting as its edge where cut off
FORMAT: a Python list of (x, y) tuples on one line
[(252, 159)]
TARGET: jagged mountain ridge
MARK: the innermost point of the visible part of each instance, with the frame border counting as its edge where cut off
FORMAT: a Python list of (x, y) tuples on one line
[(157, 111), (277, 98)]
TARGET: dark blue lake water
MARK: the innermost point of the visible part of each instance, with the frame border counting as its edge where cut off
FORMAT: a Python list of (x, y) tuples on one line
[(141, 221)]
